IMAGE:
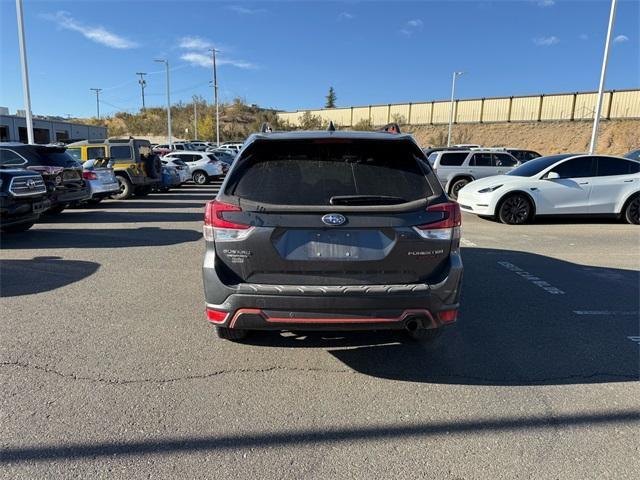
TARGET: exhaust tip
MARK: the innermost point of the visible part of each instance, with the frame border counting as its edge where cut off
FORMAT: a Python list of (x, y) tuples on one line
[(412, 325)]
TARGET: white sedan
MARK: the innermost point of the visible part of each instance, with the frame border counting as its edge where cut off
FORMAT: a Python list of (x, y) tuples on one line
[(570, 184)]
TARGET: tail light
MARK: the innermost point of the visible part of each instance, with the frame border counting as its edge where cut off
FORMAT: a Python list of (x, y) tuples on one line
[(216, 316), (448, 316), (217, 228), (447, 227), (89, 175)]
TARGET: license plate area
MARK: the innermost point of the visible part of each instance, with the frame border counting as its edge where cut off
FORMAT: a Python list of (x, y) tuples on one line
[(333, 245)]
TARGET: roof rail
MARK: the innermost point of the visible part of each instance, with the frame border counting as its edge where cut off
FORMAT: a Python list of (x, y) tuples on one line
[(266, 128), (331, 127), (391, 128)]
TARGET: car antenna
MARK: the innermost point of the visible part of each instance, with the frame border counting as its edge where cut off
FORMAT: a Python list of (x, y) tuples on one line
[(331, 127), (266, 128)]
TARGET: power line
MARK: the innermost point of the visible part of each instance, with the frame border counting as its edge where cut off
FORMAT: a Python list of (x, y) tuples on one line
[(97, 90)]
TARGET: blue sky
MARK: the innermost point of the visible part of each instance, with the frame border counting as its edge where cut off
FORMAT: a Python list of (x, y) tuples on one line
[(286, 54)]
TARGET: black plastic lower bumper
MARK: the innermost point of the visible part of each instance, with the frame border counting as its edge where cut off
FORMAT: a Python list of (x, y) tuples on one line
[(335, 308)]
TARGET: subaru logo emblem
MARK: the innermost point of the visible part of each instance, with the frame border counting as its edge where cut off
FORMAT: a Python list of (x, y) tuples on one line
[(334, 219), (31, 184)]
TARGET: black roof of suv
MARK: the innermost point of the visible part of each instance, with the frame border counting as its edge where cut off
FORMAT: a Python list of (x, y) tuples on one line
[(331, 229)]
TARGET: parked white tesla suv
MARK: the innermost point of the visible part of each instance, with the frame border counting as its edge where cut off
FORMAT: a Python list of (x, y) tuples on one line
[(570, 184)]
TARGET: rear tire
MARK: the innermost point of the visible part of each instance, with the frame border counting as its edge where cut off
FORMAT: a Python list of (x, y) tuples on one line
[(200, 178), (457, 186), (515, 210), (20, 227), (632, 211), (233, 334), (126, 189)]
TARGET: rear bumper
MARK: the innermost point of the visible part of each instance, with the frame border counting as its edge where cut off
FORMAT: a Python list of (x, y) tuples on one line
[(98, 189), (374, 307), (14, 212), (68, 196)]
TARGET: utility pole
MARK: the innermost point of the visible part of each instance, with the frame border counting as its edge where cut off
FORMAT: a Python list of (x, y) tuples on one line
[(215, 95), (453, 93), (143, 83), (603, 74), (97, 90), (166, 64), (25, 72)]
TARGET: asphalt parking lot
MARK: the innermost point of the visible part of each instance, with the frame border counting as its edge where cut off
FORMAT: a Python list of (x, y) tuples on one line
[(109, 370)]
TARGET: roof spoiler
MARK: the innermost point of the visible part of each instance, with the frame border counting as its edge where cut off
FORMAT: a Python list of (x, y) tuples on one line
[(391, 128), (331, 127)]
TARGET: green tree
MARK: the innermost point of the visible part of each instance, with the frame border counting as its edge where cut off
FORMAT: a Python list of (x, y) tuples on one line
[(331, 99)]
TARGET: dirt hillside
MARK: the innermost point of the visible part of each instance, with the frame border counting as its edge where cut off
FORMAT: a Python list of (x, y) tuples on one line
[(616, 136)]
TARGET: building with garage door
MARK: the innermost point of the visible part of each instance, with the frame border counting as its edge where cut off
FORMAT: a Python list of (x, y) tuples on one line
[(13, 128)]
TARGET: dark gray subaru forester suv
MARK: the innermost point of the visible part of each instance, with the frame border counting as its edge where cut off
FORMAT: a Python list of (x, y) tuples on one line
[(331, 230)]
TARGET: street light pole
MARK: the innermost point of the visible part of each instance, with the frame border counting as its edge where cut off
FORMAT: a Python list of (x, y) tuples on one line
[(453, 93), (97, 90), (143, 83), (25, 72), (215, 95), (166, 64), (603, 74)]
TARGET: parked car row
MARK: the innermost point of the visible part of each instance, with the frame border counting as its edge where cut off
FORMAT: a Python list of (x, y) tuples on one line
[(39, 179)]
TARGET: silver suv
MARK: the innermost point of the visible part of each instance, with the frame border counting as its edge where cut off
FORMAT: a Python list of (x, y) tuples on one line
[(457, 168)]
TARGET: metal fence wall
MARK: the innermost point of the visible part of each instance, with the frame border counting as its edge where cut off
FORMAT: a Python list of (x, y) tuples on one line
[(618, 104)]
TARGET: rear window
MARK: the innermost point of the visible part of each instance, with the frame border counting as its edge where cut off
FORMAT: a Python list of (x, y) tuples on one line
[(312, 173), (53, 158), (453, 159), (120, 152)]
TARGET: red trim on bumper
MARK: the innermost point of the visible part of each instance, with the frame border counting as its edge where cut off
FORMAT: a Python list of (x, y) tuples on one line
[(330, 320)]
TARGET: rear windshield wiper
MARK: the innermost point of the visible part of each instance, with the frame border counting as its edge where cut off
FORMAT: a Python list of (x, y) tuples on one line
[(366, 200)]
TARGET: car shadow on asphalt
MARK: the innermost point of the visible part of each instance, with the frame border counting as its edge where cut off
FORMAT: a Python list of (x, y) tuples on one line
[(142, 204), (46, 238), (41, 274), (511, 330), (111, 216), (328, 436)]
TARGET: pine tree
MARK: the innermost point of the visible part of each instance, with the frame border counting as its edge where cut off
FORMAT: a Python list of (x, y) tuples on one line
[(331, 99)]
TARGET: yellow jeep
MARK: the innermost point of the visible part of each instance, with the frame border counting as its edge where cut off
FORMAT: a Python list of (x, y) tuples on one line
[(135, 165)]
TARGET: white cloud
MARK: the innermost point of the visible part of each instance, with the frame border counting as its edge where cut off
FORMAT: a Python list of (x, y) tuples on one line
[(546, 41), (197, 58), (621, 39), (195, 43), (411, 26), (244, 10), (345, 16), (546, 3), (197, 54), (94, 33)]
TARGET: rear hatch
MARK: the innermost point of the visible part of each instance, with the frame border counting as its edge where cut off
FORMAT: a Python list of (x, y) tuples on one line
[(58, 167), (331, 211)]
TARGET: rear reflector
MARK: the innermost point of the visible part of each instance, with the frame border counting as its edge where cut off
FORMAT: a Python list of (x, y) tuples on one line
[(217, 228), (216, 316), (448, 316)]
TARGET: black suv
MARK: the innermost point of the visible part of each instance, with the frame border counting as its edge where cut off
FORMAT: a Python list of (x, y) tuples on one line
[(23, 197), (62, 174), (331, 231)]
